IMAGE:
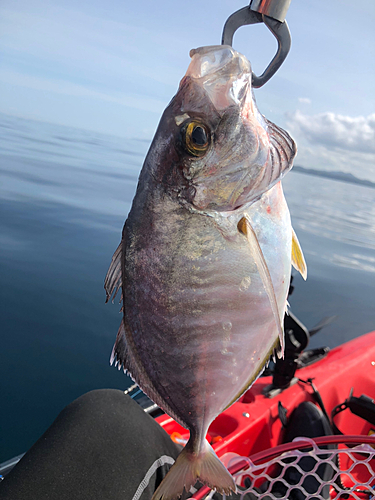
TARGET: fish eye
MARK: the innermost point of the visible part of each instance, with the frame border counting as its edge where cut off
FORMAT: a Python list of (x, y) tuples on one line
[(196, 137)]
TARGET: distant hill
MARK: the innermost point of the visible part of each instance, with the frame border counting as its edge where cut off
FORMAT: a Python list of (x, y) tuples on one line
[(337, 176)]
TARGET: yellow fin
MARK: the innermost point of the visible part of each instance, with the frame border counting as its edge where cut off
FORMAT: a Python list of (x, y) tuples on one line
[(298, 260), (245, 228)]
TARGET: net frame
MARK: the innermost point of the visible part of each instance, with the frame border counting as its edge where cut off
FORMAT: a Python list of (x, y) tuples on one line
[(347, 462)]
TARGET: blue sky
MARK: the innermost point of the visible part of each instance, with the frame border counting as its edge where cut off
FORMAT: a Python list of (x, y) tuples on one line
[(112, 66)]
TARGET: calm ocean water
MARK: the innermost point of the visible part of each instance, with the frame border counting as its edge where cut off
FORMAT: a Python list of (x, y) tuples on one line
[(64, 195)]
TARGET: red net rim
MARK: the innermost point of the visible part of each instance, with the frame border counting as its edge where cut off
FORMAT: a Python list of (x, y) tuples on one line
[(299, 444)]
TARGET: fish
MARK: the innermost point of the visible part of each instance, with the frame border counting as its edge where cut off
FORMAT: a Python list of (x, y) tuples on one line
[(205, 259)]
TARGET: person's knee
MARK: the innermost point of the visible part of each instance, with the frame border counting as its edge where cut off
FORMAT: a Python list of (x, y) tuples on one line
[(98, 401)]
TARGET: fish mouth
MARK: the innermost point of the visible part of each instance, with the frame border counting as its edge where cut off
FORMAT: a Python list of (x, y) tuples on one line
[(224, 73)]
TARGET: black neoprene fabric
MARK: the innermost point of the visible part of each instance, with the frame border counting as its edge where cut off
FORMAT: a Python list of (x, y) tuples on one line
[(99, 448)]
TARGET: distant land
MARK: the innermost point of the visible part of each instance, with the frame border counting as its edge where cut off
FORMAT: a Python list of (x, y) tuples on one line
[(337, 176)]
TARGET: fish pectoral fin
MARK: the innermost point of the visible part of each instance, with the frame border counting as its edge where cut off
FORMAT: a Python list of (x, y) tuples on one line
[(113, 279), (298, 259), (245, 228), (189, 467)]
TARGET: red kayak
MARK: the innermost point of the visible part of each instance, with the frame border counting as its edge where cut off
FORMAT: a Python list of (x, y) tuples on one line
[(330, 396), (304, 429), (252, 424)]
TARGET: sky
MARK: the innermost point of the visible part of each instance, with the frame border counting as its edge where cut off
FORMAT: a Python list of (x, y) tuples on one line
[(112, 66)]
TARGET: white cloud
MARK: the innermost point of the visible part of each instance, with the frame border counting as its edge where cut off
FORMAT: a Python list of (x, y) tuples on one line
[(335, 142), (304, 100), (343, 132)]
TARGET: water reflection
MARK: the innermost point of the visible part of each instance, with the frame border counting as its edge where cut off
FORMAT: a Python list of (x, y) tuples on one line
[(331, 209), (355, 261), (64, 196)]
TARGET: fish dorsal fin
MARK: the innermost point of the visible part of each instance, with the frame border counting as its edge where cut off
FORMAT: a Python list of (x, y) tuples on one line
[(113, 279), (298, 260), (245, 228), (124, 354)]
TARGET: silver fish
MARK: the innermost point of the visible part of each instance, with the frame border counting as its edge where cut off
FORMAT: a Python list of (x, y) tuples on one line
[(205, 257)]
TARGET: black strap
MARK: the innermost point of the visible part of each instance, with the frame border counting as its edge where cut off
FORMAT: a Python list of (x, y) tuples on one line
[(336, 410), (363, 407), (317, 396)]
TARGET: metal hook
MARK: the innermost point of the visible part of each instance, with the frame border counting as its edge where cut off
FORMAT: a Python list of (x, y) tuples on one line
[(256, 13)]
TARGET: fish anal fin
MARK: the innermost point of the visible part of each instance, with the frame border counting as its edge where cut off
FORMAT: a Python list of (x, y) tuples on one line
[(119, 354), (191, 466), (298, 259), (113, 279), (245, 228), (124, 355)]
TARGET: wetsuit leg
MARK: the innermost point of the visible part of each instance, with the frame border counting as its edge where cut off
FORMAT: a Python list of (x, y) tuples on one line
[(103, 446)]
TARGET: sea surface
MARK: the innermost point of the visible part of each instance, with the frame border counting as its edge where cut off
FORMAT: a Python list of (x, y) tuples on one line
[(64, 196)]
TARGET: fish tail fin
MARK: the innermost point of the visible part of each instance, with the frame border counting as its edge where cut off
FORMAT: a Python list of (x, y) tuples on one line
[(213, 473), (190, 467)]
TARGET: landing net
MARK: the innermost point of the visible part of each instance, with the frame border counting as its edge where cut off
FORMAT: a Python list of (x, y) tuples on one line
[(333, 467)]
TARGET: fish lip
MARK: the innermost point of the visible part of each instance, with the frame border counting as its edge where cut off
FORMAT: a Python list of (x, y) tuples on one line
[(222, 72)]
